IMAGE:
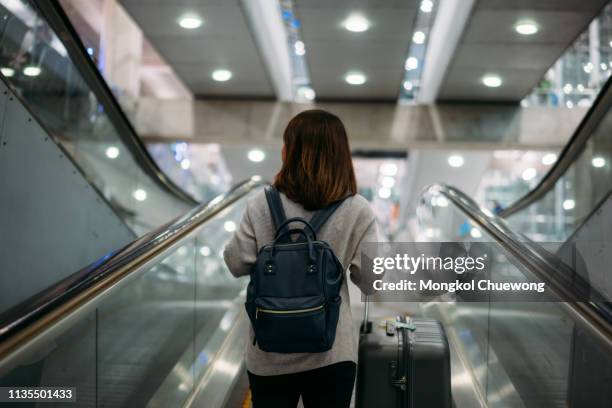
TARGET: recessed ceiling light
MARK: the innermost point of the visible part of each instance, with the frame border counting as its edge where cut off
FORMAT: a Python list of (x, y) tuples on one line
[(388, 169), (190, 21), (222, 75), (256, 155), (411, 63), (299, 47), (112, 152), (31, 71), (569, 205), (185, 164), (526, 27), (529, 174), (407, 85), (475, 233), (549, 159), (205, 251), (256, 178), (7, 72), (139, 194), (492, 81), (355, 78), (418, 37), (569, 104), (426, 6), (455, 160), (598, 162), (356, 23), (384, 193), (387, 182), (229, 226), (567, 89), (307, 93)]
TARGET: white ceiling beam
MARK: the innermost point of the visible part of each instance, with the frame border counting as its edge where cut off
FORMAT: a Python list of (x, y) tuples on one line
[(451, 20), (266, 22)]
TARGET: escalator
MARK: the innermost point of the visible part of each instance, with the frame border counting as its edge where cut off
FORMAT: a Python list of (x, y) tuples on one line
[(534, 353), (112, 279), (157, 320)]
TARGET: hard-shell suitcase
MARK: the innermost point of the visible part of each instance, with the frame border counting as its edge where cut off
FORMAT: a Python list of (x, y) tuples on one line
[(406, 364)]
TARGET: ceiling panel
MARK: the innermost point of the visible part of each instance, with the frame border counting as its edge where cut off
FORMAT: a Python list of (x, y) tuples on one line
[(379, 52), (223, 41), (490, 45)]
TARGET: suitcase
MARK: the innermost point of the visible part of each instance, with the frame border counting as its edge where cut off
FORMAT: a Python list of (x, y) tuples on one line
[(405, 364)]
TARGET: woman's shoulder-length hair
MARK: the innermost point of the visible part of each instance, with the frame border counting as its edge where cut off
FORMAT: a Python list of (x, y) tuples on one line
[(317, 167)]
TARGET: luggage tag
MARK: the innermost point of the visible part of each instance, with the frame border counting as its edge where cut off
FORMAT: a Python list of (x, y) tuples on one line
[(391, 326)]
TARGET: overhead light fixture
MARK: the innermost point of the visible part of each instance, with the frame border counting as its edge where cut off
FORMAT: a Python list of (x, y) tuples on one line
[(475, 233), (411, 63), (384, 193), (222, 75), (256, 178), (190, 21), (387, 182), (598, 162), (526, 27), (7, 71), (492, 81), (229, 226), (569, 104), (355, 78), (588, 67), (455, 160), (569, 205), (418, 37), (185, 164), (388, 169), (529, 174), (31, 71), (408, 86), (356, 23), (205, 251), (439, 201), (300, 48), (306, 92), (549, 159), (112, 152), (427, 6), (567, 89), (139, 194), (256, 155)]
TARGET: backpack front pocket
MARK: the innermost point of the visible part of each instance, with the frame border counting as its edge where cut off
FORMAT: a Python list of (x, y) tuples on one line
[(291, 329)]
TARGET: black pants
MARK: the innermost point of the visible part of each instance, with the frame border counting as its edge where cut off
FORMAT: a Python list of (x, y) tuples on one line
[(329, 386)]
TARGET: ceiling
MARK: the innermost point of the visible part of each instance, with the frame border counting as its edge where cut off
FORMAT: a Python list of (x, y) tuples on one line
[(490, 45), (223, 41), (379, 52)]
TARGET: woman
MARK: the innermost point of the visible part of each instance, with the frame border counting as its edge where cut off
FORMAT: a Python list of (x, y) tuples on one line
[(317, 170)]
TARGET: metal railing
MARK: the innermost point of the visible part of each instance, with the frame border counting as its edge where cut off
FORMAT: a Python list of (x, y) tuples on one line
[(24, 324)]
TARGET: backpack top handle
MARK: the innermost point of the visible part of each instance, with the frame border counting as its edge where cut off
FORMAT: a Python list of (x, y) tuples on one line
[(282, 229)]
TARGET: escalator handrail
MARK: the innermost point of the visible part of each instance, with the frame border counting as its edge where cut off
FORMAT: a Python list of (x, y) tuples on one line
[(595, 314), (57, 19), (570, 152), (33, 316)]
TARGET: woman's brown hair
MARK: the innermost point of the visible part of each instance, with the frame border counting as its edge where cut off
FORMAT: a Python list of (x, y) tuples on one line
[(317, 167)]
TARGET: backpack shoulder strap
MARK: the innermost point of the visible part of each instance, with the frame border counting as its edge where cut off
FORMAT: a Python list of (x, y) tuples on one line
[(276, 207), (321, 216)]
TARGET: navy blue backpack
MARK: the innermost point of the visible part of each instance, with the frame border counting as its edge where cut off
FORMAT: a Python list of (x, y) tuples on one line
[(293, 298)]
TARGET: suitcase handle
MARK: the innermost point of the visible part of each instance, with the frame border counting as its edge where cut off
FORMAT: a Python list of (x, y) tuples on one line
[(366, 325)]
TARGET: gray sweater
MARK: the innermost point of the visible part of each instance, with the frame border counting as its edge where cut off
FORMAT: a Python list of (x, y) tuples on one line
[(351, 225)]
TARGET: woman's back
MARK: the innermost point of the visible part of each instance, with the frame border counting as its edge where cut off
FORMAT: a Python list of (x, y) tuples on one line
[(350, 226)]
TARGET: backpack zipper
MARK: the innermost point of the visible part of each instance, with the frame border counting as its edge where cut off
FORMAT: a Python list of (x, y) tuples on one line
[(294, 311)]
